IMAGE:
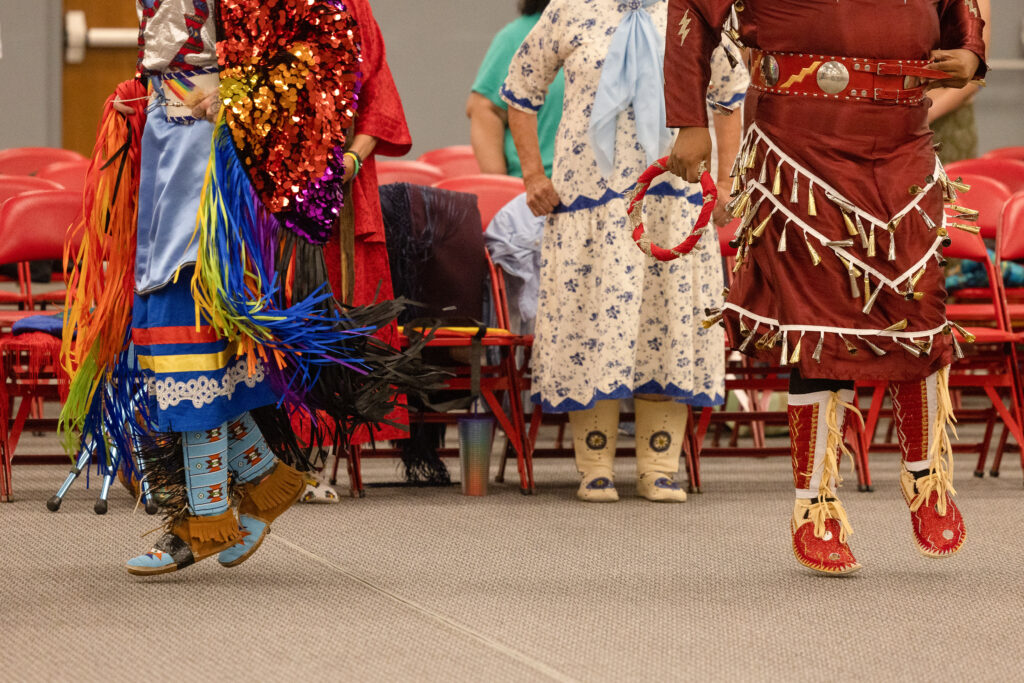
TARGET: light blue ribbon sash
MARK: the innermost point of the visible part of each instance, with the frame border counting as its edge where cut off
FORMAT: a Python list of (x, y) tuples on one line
[(631, 74)]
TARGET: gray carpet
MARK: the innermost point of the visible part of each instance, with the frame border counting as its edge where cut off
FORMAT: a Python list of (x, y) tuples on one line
[(425, 584)]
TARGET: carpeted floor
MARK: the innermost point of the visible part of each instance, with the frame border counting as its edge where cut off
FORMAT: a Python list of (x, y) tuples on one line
[(429, 585)]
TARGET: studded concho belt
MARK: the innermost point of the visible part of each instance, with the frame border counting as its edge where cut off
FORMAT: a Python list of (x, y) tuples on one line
[(886, 81)]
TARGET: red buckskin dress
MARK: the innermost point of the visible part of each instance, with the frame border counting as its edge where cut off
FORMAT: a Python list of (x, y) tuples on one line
[(839, 266), (844, 279)]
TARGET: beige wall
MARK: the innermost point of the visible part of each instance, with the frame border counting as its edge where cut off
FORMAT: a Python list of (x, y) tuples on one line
[(30, 73), (434, 48)]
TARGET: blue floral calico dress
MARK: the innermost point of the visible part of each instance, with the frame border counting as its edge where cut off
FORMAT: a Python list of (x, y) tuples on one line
[(613, 322)]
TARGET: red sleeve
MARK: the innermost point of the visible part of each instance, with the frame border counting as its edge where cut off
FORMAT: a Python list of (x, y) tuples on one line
[(694, 30), (961, 25), (380, 111)]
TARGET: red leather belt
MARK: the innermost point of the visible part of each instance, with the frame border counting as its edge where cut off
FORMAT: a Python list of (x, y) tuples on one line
[(887, 81)]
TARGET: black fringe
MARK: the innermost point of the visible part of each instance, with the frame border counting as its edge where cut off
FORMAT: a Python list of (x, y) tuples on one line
[(277, 430), (163, 467), (349, 398), (422, 465)]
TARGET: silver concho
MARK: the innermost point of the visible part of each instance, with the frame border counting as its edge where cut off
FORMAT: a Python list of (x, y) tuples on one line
[(769, 70), (833, 77)]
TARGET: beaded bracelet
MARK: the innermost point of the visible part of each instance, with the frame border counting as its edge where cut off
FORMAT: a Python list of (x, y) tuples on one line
[(357, 163)]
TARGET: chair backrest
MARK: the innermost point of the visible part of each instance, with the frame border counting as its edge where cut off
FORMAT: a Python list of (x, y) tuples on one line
[(492, 191), (986, 196), (1011, 229), (453, 161), (34, 226), (1005, 153), (1007, 171), (31, 160), (966, 246), (435, 250), (68, 174), (725, 235), (414, 172), (13, 185)]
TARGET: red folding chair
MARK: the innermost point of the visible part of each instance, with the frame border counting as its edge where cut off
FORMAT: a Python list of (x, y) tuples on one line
[(987, 196), (494, 381), (974, 304), (1011, 247), (12, 186), (68, 174), (17, 185), (1010, 172), (988, 364), (492, 191), (31, 160), (415, 172), (30, 364), (453, 161), (1005, 153)]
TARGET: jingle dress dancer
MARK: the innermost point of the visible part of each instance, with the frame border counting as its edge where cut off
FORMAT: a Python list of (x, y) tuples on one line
[(215, 182), (602, 331), (840, 245)]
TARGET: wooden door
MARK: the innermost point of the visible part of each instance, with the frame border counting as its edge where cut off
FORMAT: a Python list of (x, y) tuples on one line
[(87, 85)]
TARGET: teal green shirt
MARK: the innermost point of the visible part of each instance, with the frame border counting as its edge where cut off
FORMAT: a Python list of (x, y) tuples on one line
[(492, 74)]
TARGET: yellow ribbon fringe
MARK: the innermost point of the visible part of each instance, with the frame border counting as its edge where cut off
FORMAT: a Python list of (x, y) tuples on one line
[(940, 451), (828, 506)]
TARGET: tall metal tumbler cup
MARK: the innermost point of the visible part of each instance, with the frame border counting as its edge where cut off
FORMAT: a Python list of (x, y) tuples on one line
[(476, 434)]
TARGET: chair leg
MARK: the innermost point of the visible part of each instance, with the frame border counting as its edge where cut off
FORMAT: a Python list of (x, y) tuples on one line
[(5, 495), (979, 468), (1011, 418), (499, 478), (694, 438), (355, 471), (867, 436), (998, 460), (334, 470)]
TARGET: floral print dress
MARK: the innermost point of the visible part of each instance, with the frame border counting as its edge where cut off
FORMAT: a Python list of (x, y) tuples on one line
[(613, 322)]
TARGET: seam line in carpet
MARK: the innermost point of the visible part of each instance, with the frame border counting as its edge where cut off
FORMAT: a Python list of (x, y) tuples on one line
[(496, 645)]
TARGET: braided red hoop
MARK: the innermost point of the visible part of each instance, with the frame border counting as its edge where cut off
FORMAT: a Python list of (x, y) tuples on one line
[(636, 206)]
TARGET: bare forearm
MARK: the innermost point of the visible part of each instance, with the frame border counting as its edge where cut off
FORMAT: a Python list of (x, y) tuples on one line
[(487, 134), (524, 132), (728, 130), (363, 145), (946, 100)]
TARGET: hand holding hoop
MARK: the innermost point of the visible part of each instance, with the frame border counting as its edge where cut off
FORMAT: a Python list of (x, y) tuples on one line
[(636, 206)]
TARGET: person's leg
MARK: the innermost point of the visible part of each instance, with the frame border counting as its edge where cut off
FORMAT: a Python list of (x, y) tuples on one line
[(318, 487), (209, 526), (922, 410), (819, 526), (594, 435), (267, 487), (660, 424)]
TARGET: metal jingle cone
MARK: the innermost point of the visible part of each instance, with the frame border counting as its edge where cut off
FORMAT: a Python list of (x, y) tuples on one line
[(877, 351), (871, 299), (818, 347)]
